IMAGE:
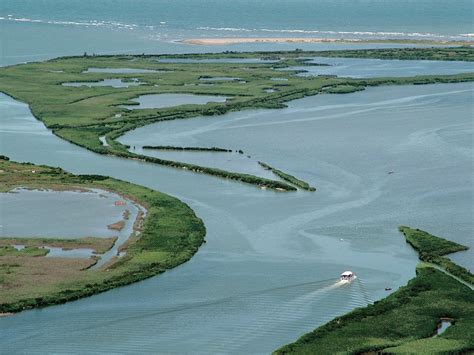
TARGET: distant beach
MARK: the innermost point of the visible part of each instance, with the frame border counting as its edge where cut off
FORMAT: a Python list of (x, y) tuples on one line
[(237, 40)]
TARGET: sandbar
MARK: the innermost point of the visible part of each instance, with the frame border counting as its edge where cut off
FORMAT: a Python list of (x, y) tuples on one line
[(239, 40)]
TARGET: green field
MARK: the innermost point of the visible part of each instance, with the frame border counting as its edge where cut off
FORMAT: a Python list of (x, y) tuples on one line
[(407, 320), (83, 114), (169, 235)]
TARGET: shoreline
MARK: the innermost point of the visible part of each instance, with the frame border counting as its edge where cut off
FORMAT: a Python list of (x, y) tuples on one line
[(156, 245), (354, 332), (240, 40)]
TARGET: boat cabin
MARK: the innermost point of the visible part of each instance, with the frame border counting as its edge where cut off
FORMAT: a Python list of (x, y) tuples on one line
[(347, 276)]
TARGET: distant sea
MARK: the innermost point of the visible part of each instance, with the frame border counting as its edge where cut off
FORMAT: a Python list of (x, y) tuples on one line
[(38, 29)]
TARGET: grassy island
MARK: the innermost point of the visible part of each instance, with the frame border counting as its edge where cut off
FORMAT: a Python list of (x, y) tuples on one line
[(167, 236), (287, 177), (406, 321), (431, 249), (94, 117)]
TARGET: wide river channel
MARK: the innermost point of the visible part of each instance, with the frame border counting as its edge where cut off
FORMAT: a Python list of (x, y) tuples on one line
[(268, 272)]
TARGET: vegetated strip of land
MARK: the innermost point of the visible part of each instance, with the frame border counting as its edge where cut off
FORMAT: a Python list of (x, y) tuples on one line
[(169, 236), (460, 53), (406, 321), (192, 149), (10, 250), (99, 245), (431, 250), (82, 115), (287, 177)]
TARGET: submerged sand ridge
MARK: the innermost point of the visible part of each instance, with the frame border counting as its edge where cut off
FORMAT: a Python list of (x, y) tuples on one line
[(238, 40)]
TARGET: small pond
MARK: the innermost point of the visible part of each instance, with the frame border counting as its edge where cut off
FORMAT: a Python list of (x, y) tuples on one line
[(66, 214), (218, 60), (103, 140), (115, 83), (219, 78), (170, 100), (368, 68), (445, 323), (56, 252), (121, 71)]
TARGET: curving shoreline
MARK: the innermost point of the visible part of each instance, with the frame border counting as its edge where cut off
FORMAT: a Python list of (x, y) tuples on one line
[(434, 295), (88, 116), (169, 235)]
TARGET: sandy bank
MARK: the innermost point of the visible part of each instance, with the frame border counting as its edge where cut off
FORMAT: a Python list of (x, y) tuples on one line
[(226, 41), (223, 41)]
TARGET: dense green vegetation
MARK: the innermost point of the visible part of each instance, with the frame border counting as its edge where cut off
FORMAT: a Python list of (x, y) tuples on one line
[(457, 53), (460, 53), (287, 177), (428, 244), (405, 321), (99, 245), (168, 236), (431, 249), (10, 250), (84, 114)]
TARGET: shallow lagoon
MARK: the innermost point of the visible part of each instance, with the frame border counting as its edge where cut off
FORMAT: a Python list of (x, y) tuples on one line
[(369, 68), (218, 78), (62, 214), (261, 243), (170, 100), (115, 83), (122, 71), (55, 252), (66, 215)]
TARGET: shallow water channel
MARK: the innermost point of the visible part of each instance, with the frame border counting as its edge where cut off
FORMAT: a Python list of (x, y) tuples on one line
[(268, 272)]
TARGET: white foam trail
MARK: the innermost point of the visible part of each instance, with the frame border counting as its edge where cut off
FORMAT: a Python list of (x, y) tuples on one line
[(132, 26), (347, 33), (93, 23)]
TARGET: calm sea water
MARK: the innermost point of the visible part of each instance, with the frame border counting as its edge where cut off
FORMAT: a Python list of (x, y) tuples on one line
[(32, 30)]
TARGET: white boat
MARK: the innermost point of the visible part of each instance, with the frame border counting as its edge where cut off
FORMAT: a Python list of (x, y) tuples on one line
[(347, 276)]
